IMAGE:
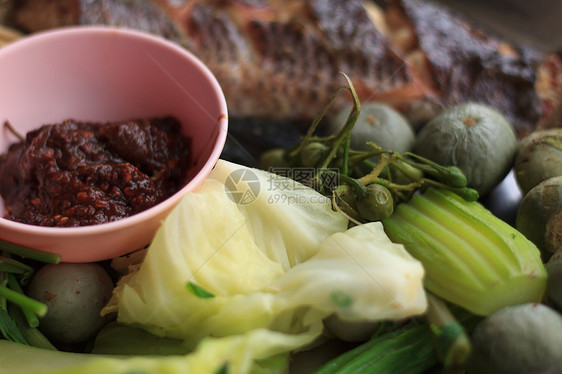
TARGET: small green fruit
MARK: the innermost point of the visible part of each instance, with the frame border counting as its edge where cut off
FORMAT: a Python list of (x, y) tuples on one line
[(377, 123), (378, 204), (520, 339), (312, 153), (475, 138), (75, 294), (273, 158), (539, 216), (539, 157), (553, 294), (346, 200)]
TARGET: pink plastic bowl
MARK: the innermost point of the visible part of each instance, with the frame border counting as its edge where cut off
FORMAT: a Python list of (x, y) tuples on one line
[(104, 74)]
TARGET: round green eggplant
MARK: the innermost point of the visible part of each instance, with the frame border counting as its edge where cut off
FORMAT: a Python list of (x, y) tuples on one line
[(75, 294), (539, 157), (377, 123), (553, 295), (539, 216), (519, 339), (475, 138)]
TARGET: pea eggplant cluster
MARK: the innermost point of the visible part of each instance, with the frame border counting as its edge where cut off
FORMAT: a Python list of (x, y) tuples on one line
[(372, 180)]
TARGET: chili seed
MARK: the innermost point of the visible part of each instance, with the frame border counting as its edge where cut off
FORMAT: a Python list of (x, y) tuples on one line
[(83, 197)]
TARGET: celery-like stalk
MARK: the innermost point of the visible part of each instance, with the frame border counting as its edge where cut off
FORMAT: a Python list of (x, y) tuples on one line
[(408, 350), (451, 341), (472, 258), (411, 348)]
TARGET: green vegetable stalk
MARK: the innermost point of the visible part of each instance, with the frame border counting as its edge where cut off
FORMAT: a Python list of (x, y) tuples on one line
[(413, 347), (408, 350), (451, 340), (29, 253), (471, 258), (20, 324)]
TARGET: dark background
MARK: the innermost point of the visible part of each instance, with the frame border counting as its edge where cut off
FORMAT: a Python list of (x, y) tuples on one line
[(536, 22)]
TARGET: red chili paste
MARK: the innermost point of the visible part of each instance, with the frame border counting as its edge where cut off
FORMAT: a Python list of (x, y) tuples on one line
[(83, 173)]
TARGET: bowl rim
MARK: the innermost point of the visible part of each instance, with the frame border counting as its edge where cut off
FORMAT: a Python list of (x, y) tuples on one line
[(217, 141)]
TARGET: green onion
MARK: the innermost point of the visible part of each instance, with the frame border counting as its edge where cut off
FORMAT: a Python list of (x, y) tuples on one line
[(32, 335), (9, 265), (23, 301), (30, 314), (30, 253), (9, 328)]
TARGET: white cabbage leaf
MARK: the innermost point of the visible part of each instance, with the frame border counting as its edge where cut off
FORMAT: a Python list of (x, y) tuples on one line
[(258, 351), (268, 253)]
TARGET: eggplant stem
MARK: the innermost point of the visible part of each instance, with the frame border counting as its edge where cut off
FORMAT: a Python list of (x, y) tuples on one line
[(11, 129)]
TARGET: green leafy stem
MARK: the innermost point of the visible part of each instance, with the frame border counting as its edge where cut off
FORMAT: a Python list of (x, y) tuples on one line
[(14, 273)]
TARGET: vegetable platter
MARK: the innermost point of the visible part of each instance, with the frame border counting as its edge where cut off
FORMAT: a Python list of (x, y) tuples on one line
[(395, 246), (353, 242)]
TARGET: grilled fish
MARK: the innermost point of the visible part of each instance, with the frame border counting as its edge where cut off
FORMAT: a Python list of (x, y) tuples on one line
[(282, 59)]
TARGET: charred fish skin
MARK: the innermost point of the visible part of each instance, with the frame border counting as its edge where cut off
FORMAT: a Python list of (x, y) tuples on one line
[(278, 59), (142, 15), (281, 59), (549, 88), (469, 64), (31, 16), (288, 55), (38, 15)]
